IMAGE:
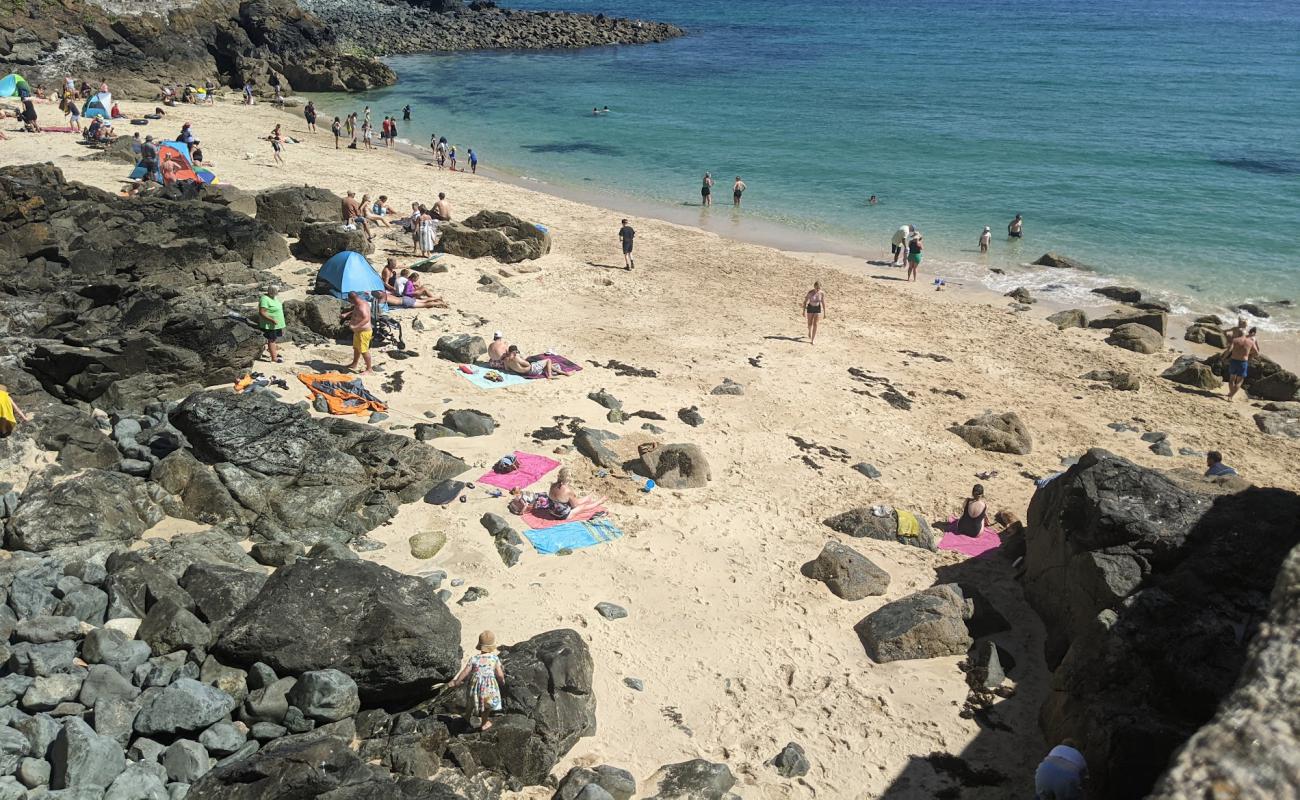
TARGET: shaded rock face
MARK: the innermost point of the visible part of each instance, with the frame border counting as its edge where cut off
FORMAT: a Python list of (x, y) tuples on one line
[(1249, 749), (289, 208), (320, 240), (1058, 261), (304, 766), (303, 479), (692, 780), (503, 236), (386, 630), (927, 624), (239, 39), (126, 296), (1150, 591), (999, 433)]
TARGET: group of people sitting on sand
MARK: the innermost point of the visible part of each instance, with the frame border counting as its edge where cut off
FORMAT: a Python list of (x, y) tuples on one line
[(402, 288)]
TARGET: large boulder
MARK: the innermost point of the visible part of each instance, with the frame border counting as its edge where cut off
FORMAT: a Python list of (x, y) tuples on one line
[(1248, 750), (928, 624), (1265, 379), (319, 314), (318, 241), (461, 348), (503, 236), (998, 433), (865, 523), (386, 630), (1191, 372), (289, 208), (1150, 590), (846, 572), (183, 706), (1124, 294), (594, 444), (81, 758), (547, 704), (1211, 334), (692, 780), (60, 507), (677, 466), (1069, 318), (304, 479), (1138, 338), (1155, 320)]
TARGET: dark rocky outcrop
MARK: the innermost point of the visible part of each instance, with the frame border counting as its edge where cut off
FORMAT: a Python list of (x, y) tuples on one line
[(1191, 372), (927, 624), (423, 25), (388, 631), (289, 208), (846, 572), (138, 47), (503, 236), (864, 523), (303, 479), (1124, 294), (125, 298), (999, 433), (1155, 320), (692, 780), (1058, 261), (1151, 590), (63, 507), (1266, 379), (317, 241), (1070, 318), (1211, 334)]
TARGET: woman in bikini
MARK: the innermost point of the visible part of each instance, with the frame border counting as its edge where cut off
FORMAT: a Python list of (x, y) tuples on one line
[(814, 307), (974, 513), (562, 502)]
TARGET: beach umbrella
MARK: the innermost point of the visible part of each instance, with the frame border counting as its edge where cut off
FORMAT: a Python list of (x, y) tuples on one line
[(348, 271)]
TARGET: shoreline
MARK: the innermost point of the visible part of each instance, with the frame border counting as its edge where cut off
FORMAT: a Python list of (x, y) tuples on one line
[(1283, 346)]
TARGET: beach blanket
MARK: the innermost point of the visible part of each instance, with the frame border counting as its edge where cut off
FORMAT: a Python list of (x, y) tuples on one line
[(478, 376), (531, 469), (557, 362), (573, 536), (538, 523), (343, 394), (53, 129), (969, 545)]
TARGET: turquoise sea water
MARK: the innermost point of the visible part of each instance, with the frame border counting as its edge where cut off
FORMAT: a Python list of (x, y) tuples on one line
[(1158, 140)]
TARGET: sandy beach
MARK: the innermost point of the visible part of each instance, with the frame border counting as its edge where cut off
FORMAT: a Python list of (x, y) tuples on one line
[(739, 653)]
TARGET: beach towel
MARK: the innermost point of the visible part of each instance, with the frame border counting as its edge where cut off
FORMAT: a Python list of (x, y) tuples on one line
[(531, 469), (557, 362), (343, 394), (908, 525), (969, 545), (573, 536), (444, 493), (53, 129), (538, 523), (478, 376)]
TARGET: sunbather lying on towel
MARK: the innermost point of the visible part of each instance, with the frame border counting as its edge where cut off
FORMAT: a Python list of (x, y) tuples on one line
[(406, 301), (520, 366), (561, 502)]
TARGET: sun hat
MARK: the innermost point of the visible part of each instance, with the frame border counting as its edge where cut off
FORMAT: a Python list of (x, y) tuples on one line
[(487, 642), (496, 335)]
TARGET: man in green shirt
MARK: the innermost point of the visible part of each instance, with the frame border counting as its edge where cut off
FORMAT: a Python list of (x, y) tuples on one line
[(270, 318)]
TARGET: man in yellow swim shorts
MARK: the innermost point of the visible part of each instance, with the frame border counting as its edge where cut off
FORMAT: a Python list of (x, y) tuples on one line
[(359, 322)]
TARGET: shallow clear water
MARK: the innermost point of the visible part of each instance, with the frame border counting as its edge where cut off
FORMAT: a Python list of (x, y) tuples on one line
[(1157, 140)]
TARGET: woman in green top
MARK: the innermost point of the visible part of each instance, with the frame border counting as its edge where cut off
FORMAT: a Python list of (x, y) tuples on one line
[(270, 318)]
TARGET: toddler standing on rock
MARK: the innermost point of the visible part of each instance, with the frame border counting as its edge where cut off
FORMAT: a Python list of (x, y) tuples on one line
[(486, 672)]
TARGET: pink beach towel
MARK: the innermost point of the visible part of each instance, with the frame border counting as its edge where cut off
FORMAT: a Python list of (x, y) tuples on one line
[(969, 545), (531, 469), (558, 362), (538, 523)]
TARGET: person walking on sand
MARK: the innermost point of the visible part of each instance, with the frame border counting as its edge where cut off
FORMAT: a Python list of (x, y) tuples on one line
[(473, 162), (706, 190), (358, 318), (626, 235), (336, 128), (1016, 228), (1239, 352), (451, 156), (392, 132), (74, 115), (309, 114), (814, 308), (914, 247), (277, 145), (487, 675), (737, 189), (985, 238), (270, 318)]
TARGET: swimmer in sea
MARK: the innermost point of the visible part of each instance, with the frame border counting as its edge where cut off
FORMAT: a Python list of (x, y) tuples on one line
[(873, 200), (985, 238), (1016, 228), (737, 189), (706, 190)]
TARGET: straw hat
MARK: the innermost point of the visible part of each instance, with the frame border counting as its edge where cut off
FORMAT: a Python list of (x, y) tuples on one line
[(487, 642)]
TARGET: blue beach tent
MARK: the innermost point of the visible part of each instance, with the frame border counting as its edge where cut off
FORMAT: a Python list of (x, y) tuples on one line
[(348, 271), (98, 106), (12, 83)]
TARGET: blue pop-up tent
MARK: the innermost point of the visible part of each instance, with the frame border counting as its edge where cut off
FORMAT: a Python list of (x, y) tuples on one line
[(13, 84), (348, 271), (98, 106)]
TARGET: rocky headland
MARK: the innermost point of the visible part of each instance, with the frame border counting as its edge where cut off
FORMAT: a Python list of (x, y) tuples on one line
[(379, 28)]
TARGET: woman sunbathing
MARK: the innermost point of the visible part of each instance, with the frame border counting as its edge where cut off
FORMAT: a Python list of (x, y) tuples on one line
[(561, 502), (974, 513), (520, 366)]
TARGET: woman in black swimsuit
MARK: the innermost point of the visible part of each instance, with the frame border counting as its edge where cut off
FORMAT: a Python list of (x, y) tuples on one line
[(974, 513), (706, 190), (814, 306)]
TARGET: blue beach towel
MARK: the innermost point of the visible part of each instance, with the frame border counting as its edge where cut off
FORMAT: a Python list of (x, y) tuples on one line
[(573, 535), (476, 378)]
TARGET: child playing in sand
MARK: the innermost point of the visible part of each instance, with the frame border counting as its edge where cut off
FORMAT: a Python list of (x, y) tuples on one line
[(485, 668)]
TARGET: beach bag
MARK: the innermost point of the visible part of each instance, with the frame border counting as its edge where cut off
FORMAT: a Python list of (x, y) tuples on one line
[(505, 465)]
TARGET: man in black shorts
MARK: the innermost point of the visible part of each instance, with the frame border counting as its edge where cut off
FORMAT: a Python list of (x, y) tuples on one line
[(626, 234)]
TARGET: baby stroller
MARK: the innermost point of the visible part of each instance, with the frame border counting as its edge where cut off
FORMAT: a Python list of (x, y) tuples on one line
[(388, 332)]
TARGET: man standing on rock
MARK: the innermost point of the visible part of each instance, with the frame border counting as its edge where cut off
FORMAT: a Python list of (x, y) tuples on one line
[(270, 318), (359, 321), (1239, 353)]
